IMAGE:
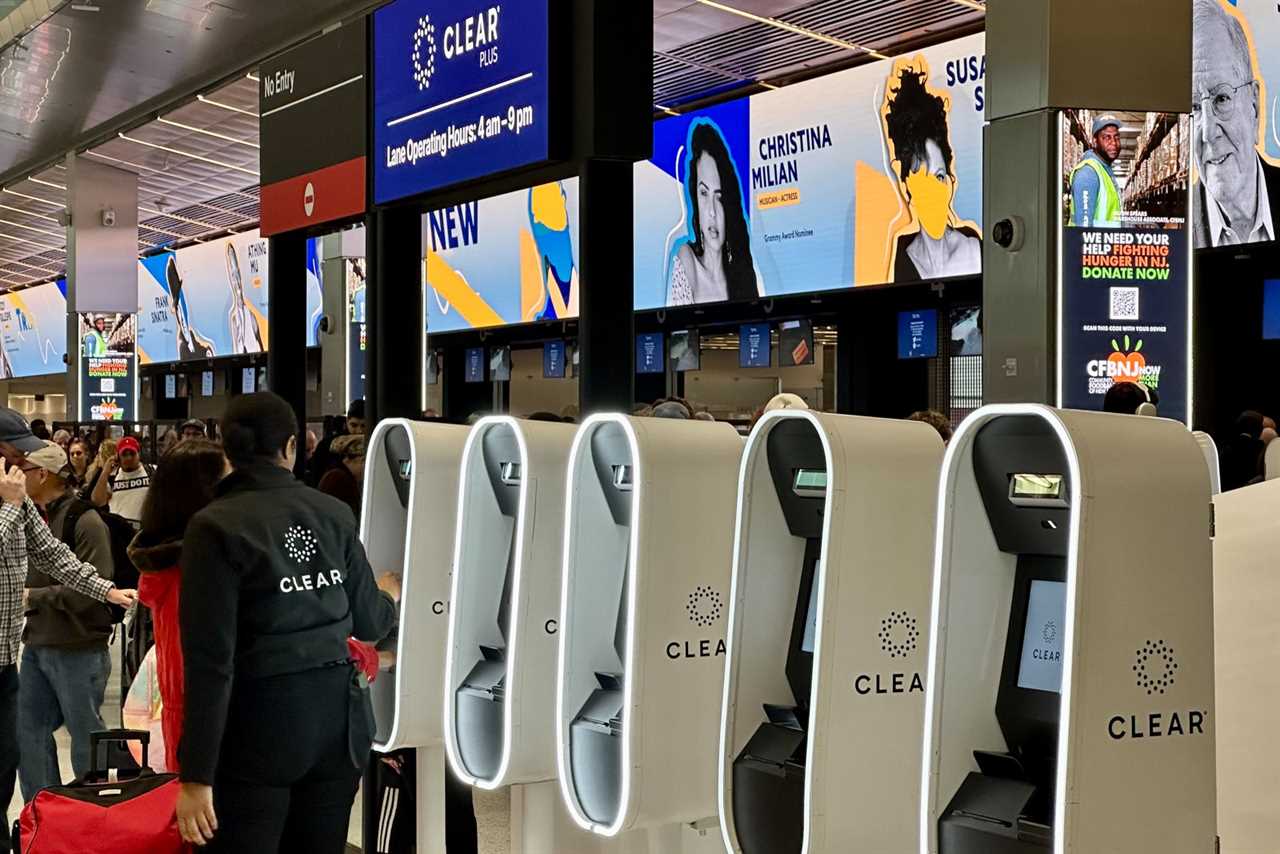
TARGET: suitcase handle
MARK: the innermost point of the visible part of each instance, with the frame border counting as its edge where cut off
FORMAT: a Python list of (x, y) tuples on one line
[(117, 736)]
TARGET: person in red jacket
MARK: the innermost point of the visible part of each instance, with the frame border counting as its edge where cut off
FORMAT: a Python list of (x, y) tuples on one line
[(182, 485)]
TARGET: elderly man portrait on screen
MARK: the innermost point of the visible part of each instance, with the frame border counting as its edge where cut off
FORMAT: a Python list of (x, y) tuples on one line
[(1238, 197)]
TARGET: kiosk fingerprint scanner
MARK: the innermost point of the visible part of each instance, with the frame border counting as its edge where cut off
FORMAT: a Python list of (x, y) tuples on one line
[(1054, 529), (499, 697), (824, 672), (646, 556), (410, 496)]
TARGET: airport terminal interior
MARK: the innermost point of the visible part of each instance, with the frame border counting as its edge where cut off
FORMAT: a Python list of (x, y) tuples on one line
[(639, 426)]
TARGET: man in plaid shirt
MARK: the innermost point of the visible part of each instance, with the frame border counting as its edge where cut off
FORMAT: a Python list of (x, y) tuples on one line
[(25, 540)]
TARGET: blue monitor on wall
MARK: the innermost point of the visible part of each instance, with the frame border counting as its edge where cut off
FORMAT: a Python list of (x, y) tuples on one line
[(650, 356), (754, 346), (918, 334), (1271, 309), (474, 365), (553, 353)]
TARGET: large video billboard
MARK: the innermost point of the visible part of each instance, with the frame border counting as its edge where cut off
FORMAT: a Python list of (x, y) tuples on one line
[(864, 177), (33, 331)]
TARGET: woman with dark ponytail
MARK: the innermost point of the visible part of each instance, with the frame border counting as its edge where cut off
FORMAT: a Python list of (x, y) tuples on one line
[(277, 723)]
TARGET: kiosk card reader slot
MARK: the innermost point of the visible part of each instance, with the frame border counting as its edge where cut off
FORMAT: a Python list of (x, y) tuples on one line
[(1045, 730), (834, 531)]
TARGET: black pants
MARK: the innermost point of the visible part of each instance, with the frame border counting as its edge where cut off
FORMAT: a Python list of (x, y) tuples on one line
[(390, 807), (286, 780), (9, 750)]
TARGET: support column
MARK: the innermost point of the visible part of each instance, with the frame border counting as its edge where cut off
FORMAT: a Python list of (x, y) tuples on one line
[(606, 328), (397, 330), (286, 329)]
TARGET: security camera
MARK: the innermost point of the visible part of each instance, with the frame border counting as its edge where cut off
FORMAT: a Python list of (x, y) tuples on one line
[(327, 326), (1009, 233), (108, 218), (64, 218)]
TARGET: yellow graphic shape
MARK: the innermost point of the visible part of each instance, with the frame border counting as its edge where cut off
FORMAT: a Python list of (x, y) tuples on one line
[(778, 198), (548, 207), (879, 218), (143, 358), (450, 285)]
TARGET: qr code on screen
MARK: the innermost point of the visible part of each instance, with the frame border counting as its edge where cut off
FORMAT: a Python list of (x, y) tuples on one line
[(1124, 303)]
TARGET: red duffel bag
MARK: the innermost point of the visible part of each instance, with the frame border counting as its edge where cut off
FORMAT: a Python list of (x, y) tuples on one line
[(108, 811)]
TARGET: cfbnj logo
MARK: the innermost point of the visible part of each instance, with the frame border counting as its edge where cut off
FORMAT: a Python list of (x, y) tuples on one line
[(705, 607), (1155, 671), (476, 33), (899, 638)]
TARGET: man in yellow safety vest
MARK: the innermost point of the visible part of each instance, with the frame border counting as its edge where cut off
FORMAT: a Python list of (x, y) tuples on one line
[(1095, 197)]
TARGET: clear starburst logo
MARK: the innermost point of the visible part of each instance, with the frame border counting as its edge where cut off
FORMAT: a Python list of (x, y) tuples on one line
[(300, 544), (1155, 667), (705, 607), (899, 634), (424, 52)]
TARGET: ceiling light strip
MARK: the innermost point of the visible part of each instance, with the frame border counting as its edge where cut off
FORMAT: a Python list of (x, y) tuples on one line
[(26, 212), (667, 110), (34, 180), (26, 241), (971, 4), (792, 28), (172, 180), (220, 105), (43, 231), (188, 154), (178, 217), (58, 205), (208, 132)]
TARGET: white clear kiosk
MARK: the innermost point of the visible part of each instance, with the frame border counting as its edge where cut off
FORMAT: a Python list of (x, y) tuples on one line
[(1070, 698), (1210, 450), (1246, 597), (499, 697), (828, 627), (410, 508), (648, 546)]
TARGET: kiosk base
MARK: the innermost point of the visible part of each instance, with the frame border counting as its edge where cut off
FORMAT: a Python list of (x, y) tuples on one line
[(768, 791), (989, 815), (432, 767), (540, 824)]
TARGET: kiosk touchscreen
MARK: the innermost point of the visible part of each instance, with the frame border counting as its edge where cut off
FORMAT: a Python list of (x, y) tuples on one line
[(499, 698), (647, 550), (824, 687), (1070, 689), (410, 501)]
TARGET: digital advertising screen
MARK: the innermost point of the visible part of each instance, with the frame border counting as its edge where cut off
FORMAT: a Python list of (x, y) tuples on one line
[(107, 354), (206, 383), (1271, 310), (248, 380), (553, 353), (795, 343), (315, 292), (1236, 77), (170, 386), (966, 330), (754, 346), (33, 331), (1040, 667), (357, 329), (204, 301), (474, 365), (500, 364), (686, 350), (503, 260), (461, 90), (855, 178), (649, 353), (432, 372), (1124, 277), (918, 334)]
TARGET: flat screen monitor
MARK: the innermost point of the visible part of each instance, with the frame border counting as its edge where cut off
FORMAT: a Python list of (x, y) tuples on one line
[(553, 353), (206, 383), (966, 330), (795, 343), (1040, 667), (474, 365), (1271, 309), (248, 380), (804, 626), (754, 346), (649, 353), (433, 367), (500, 364), (170, 386), (918, 334), (686, 350)]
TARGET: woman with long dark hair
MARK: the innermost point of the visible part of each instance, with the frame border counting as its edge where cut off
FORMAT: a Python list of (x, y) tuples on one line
[(278, 721), (181, 487), (714, 264)]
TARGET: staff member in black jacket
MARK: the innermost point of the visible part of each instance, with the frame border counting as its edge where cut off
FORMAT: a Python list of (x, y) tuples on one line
[(274, 582)]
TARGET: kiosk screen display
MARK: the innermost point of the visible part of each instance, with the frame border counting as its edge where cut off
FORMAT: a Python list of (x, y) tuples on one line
[(1041, 666), (811, 620)]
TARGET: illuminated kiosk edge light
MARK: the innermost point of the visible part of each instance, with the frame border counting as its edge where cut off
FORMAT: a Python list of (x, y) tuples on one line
[(1246, 592), (648, 545), (1069, 700), (499, 699), (827, 634), (410, 506)]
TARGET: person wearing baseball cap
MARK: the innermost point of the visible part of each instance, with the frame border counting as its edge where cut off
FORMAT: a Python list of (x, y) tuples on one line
[(124, 488), (27, 543), (65, 663), (1095, 195), (192, 428)]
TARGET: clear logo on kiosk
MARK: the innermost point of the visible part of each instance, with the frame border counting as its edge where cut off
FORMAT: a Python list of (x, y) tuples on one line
[(301, 545), (1155, 669), (899, 638), (705, 607)]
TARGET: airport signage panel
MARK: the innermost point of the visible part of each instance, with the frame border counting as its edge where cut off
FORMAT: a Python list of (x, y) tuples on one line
[(461, 91), (33, 330)]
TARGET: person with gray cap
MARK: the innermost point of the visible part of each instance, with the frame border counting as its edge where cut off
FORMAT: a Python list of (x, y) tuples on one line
[(192, 428), (25, 542), (65, 663), (1095, 195)]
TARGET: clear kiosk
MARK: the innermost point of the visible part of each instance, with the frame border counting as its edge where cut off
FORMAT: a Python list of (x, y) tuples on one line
[(410, 501), (1210, 450), (647, 552), (1246, 595), (1070, 699), (824, 686), (499, 697)]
